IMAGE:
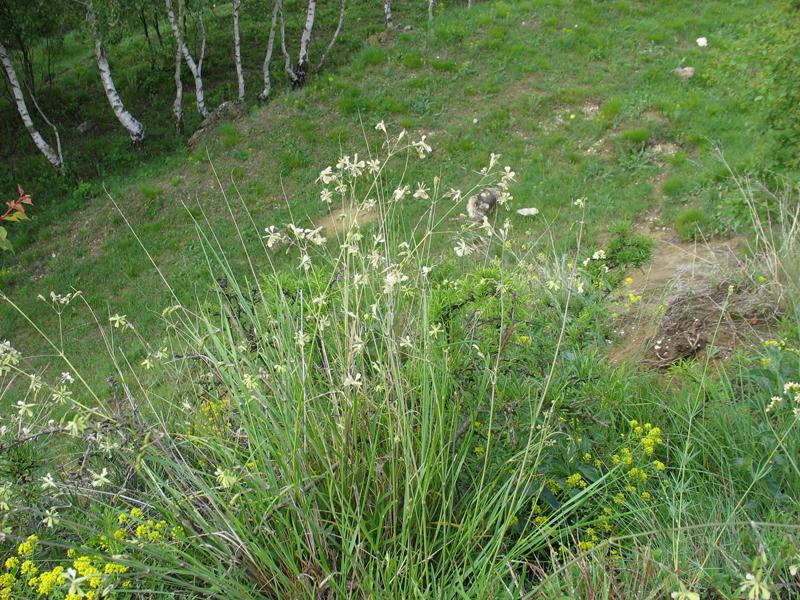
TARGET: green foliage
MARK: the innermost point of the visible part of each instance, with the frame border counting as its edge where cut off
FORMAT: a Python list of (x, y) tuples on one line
[(691, 223)]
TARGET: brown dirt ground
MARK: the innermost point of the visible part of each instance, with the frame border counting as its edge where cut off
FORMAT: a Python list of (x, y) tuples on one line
[(694, 296)]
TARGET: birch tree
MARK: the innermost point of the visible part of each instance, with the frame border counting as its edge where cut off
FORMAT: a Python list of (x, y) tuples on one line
[(53, 156), (195, 67), (134, 128), (237, 48), (270, 45), (298, 73), (335, 35), (177, 106), (387, 13)]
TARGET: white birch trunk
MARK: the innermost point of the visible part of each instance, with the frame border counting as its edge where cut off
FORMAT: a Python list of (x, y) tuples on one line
[(237, 48), (51, 155), (268, 58), (177, 107), (305, 40), (335, 35), (387, 13), (134, 128), (430, 10), (288, 66), (196, 68)]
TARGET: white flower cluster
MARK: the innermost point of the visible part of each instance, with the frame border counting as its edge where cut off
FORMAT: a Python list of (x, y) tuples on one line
[(9, 357), (60, 299)]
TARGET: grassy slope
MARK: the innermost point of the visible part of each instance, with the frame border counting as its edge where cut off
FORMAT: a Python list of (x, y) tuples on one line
[(501, 78)]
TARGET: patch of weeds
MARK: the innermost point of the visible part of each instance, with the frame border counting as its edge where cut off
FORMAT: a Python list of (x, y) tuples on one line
[(610, 109), (502, 10), (372, 56), (150, 192), (228, 135), (443, 64), (635, 137), (451, 32), (691, 223), (353, 101), (412, 60), (627, 249), (674, 186), (421, 104), (293, 157), (571, 95), (459, 144), (393, 105)]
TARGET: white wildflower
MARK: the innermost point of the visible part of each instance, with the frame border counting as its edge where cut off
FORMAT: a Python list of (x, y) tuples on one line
[(51, 518), (100, 479), (225, 478), (351, 381), (422, 147), (24, 409)]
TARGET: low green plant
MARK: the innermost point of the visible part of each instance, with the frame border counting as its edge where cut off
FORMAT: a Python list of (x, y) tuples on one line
[(691, 223)]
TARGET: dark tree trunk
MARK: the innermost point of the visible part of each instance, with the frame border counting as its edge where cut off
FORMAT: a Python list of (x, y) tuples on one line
[(143, 19), (158, 30)]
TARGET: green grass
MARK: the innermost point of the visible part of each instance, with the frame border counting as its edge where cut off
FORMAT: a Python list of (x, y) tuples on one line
[(523, 111), (458, 434)]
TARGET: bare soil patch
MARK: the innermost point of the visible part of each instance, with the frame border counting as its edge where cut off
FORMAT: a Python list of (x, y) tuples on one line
[(691, 297), (339, 220)]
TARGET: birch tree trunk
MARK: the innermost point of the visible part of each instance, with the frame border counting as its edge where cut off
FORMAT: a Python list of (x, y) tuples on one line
[(387, 13), (430, 10), (305, 39), (134, 128), (51, 155), (196, 68), (237, 48), (335, 35), (177, 107), (268, 58)]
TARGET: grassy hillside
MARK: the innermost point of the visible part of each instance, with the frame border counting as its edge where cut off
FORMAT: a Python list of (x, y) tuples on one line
[(596, 401), (579, 98)]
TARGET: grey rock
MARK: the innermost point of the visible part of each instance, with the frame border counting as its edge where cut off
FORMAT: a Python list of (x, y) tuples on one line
[(684, 72), (483, 204)]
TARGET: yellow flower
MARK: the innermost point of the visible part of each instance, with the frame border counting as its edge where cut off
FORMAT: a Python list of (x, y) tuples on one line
[(659, 465), (27, 548), (646, 496), (12, 562), (114, 569), (576, 481), (50, 579), (136, 513), (29, 569)]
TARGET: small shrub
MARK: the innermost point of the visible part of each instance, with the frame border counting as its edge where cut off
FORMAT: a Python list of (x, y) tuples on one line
[(228, 135), (412, 60), (674, 186), (691, 223), (635, 136)]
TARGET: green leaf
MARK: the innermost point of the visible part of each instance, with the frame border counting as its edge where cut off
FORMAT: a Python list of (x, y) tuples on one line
[(4, 243)]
